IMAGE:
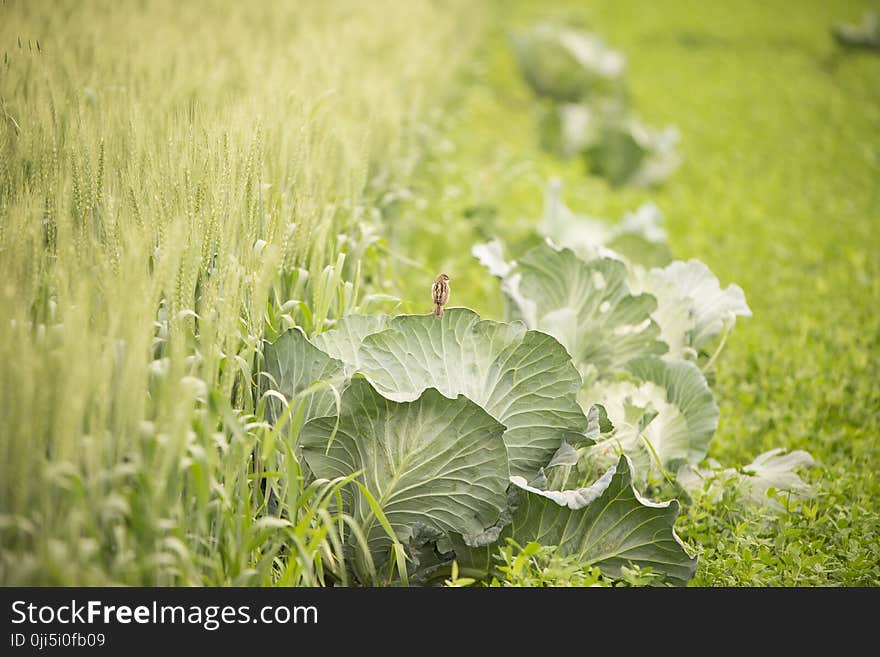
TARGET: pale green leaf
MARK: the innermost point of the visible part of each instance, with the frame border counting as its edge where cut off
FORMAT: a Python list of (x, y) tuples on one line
[(566, 455), (691, 285), (434, 461), (607, 525), (665, 410), (491, 256), (344, 340), (632, 153)]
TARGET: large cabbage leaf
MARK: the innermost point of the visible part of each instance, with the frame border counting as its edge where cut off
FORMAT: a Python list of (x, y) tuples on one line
[(345, 339), (294, 366), (607, 524), (524, 379), (638, 238), (615, 143), (431, 464), (587, 306), (568, 64)]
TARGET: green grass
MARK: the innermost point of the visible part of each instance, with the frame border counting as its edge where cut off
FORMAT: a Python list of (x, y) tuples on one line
[(777, 192)]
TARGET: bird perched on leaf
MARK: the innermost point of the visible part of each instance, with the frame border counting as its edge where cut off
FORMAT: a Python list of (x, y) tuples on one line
[(440, 293)]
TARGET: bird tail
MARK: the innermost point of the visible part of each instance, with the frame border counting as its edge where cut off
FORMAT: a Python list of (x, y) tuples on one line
[(438, 310)]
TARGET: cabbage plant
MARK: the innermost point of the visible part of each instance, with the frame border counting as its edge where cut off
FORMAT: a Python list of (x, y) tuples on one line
[(642, 331), (613, 141), (446, 425), (568, 64)]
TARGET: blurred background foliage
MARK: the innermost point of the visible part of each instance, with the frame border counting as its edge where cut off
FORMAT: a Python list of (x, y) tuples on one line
[(179, 180)]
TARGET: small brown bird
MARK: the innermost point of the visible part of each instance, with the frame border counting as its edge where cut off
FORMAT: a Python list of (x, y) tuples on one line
[(440, 293)]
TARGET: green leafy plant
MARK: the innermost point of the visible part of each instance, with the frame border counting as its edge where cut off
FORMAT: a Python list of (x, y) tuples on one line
[(172, 193), (588, 306), (638, 238), (434, 461), (642, 338), (606, 524), (568, 64)]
